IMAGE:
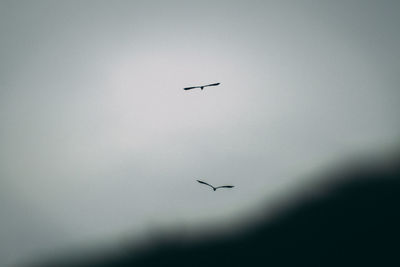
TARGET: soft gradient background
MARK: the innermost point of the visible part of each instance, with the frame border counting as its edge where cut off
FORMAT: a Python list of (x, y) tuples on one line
[(99, 142)]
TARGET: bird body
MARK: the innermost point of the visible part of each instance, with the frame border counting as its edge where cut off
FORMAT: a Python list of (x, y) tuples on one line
[(201, 86), (215, 188)]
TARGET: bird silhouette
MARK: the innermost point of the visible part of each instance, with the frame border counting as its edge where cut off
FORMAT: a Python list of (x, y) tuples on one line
[(215, 188), (201, 86)]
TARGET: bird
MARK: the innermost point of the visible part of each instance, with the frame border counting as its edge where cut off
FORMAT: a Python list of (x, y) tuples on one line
[(201, 86), (215, 188)]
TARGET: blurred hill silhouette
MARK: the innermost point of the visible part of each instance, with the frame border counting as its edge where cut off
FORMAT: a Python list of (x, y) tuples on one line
[(351, 218)]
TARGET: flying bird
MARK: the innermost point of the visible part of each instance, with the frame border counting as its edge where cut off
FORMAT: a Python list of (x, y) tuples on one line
[(215, 188), (201, 86)]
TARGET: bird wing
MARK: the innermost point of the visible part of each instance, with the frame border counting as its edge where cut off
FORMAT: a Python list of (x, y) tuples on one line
[(213, 84), (188, 88), (225, 186), (204, 183)]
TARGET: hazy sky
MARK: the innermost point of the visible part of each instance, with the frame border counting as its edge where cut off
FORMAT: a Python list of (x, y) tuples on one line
[(98, 139)]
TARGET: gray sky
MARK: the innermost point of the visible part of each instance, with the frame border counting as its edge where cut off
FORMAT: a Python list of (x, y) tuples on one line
[(98, 139)]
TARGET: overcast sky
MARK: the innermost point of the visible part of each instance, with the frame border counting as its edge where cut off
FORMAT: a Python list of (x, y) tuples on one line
[(98, 139)]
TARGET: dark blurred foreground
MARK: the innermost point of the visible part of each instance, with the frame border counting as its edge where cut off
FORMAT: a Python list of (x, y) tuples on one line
[(352, 218)]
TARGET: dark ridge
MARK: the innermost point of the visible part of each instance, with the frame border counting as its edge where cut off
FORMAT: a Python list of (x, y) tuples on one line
[(354, 222)]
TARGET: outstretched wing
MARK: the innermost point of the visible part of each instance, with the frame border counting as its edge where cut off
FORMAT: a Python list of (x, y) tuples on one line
[(225, 186), (213, 84), (188, 88), (204, 183)]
